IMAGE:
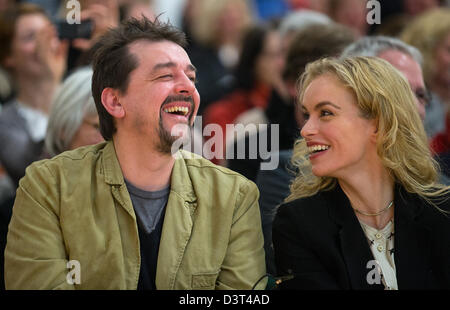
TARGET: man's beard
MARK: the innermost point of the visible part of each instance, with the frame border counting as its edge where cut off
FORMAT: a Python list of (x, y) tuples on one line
[(166, 139)]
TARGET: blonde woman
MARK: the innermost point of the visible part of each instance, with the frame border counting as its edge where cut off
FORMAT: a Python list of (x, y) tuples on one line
[(366, 212)]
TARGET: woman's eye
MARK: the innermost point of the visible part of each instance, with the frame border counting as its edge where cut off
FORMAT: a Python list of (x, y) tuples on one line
[(28, 37), (325, 113), (305, 115)]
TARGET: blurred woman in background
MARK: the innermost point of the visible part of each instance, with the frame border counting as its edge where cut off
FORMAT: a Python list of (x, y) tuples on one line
[(73, 118)]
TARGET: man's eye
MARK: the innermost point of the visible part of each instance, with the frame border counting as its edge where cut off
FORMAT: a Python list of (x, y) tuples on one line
[(166, 76), (423, 96)]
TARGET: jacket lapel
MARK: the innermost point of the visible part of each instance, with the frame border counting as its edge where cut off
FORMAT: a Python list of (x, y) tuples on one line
[(177, 227), (354, 245), (113, 177), (411, 242)]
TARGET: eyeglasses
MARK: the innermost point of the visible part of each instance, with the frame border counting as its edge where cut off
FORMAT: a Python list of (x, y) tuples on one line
[(423, 95), (92, 124)]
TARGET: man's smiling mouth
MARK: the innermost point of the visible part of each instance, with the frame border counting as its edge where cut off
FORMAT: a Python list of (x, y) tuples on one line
[(179, 105), (177, 110)]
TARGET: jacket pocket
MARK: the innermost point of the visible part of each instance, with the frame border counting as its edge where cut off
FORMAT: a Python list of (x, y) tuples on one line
[(204, 281)]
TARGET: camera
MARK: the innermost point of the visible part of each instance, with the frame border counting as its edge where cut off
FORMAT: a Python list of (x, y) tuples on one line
[(68, 31)]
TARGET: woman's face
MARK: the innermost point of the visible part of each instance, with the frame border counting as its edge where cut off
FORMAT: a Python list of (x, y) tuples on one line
[(340, 141), (270, 63), (24, 57), (88, 133)]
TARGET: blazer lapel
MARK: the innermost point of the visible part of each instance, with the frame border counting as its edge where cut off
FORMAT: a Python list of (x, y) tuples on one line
[(411, 242), (354, 245)]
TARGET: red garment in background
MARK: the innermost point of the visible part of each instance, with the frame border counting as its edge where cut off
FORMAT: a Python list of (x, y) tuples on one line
[(228, 109), (440, 143)]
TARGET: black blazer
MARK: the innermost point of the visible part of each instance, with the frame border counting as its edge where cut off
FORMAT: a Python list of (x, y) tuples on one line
[(320, 242)]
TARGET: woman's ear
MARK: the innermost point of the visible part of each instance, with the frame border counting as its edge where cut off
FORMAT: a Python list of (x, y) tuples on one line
[(374, 126), (111, 102)]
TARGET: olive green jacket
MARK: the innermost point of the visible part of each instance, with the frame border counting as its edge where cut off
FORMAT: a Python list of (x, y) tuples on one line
[(76, 207)]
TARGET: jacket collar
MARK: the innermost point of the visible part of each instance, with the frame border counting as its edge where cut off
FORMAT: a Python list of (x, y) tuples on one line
[(178, 182), (353, 242), (178, 223), (411, 239)]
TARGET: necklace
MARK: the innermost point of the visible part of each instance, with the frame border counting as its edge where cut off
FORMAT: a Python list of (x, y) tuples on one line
[(375, 214)]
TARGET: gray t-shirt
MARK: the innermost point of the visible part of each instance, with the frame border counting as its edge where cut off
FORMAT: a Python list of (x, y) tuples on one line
[(149, 206)]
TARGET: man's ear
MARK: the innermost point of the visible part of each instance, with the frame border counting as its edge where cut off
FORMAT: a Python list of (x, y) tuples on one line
[(111, 102)]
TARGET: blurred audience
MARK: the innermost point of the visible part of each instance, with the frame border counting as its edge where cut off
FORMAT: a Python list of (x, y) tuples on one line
[(216, 29), (430, 33), (417, 7), (73, 123), (73, 120), (258, 73), (36, 61), (297, 20), (351, 13), (137, 8), (103, 14), (408, 60)]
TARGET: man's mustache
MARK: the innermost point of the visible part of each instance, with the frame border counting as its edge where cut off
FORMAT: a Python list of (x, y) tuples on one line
[(175, 98)]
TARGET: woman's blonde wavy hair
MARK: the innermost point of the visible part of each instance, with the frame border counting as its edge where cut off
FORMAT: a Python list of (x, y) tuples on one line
[(383, 94)]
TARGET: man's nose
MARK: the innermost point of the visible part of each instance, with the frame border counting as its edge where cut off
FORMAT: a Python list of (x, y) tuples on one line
[(185, 85)]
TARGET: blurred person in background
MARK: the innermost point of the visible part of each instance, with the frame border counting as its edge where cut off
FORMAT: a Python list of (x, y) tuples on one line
[(351, 13), (296, 21), (397, 14), (6, 89), (404, 57), (73, 120), (137, 8), (430, 33), (36, 60), (417, 7), (104, 14), (257, 74), (309, 44), (216, 29), (408, 60)]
